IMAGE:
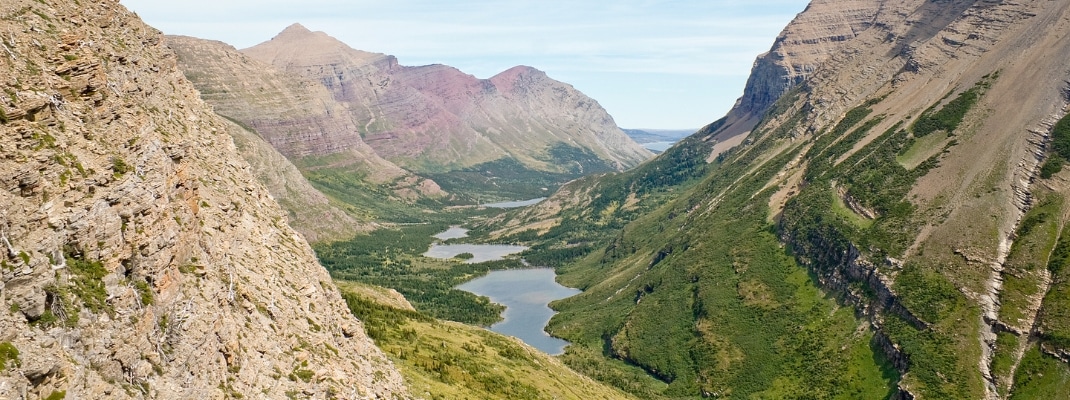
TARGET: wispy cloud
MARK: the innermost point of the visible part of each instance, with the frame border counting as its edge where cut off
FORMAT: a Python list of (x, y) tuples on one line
[(706, 41)]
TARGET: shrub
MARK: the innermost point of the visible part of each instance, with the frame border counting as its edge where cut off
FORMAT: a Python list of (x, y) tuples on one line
[(8, 354), (1052, 166)]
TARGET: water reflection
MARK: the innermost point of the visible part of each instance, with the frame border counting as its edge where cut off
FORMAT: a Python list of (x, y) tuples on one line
[(526, 294)]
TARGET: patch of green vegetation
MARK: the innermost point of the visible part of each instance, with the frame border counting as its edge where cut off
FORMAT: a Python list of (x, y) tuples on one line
[(1060, 137), (57, 395), (300, 372), (1023, 277), (830, 146), (353, 193), (119, 167), (1040, 376), (504, 179), (920, 149), (577, 161), (840, 208), (392, 258), (949, 116), (1054, 317), (145, 292), (1053, 165), (1004, 357), (929, 295), (465, 256), (1060, 148), (3, 115), (944, 361), (614, 372), (454, 361), (87, 279), (9, 355), (42, 15)]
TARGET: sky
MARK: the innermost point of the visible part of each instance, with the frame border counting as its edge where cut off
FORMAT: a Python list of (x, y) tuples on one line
[(653, 64)]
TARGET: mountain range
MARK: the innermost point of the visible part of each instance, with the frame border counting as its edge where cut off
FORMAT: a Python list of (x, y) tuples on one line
[(422, 132), (882, 214)]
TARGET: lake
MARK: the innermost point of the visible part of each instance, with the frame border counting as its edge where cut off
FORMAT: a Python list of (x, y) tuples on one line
[(515, 204), (455, 232), (482, 252), (526, 294), (658, 146)]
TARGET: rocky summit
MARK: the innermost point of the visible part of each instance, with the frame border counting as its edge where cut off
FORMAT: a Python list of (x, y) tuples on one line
[(141, 258)]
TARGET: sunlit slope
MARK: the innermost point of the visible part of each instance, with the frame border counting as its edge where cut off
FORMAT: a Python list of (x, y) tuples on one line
[(448, 360), (893, 225)]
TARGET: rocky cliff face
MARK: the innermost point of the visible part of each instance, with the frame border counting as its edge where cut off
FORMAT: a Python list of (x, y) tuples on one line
[(808, 41), (141, 258), (436, 118)]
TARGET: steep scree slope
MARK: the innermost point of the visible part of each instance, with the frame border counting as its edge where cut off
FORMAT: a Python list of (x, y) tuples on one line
[(140, 256)]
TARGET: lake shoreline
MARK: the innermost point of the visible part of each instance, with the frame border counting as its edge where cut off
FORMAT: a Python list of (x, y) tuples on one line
[(526, 293)]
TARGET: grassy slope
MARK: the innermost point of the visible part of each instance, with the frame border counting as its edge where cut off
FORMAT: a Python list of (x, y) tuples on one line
[(700, 293), (705, 298), (446, 360)]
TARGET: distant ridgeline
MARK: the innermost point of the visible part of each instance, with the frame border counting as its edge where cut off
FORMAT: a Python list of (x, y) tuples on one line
[(385, 141)]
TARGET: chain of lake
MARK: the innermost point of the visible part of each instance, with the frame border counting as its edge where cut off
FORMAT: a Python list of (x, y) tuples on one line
[(526, 293)]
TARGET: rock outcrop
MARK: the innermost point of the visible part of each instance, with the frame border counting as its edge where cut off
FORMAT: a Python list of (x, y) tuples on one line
[(808, 41), (141, 258), (436, 118)]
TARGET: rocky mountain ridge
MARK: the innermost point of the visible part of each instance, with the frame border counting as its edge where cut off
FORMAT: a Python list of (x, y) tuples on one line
[(436, 118), (908, 156), (141, 258)]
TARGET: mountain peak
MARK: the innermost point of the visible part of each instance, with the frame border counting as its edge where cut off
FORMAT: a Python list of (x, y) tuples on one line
[(295, 29), (296, 41), (511, 76)]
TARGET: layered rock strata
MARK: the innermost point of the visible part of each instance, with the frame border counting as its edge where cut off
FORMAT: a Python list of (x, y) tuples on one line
[(141, 258), (435, 118)]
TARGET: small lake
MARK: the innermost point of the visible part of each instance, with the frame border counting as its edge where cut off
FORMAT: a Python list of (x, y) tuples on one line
[(455, 232), (526, 294), (658, 146), (515, 204), (482, 252)]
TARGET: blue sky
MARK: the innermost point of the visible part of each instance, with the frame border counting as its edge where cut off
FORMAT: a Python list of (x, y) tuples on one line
[(653, 64)]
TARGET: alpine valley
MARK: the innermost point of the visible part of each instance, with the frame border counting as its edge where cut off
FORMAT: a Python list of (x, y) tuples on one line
[(882, 215)]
